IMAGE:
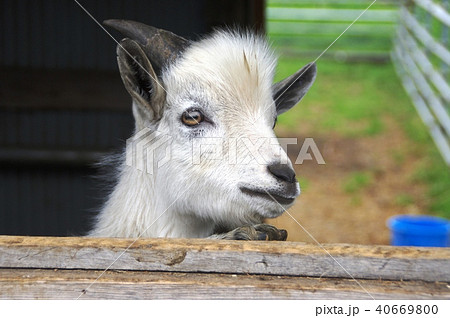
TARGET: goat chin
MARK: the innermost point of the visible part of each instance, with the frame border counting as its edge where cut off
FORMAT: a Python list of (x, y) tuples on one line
[(137, 209)]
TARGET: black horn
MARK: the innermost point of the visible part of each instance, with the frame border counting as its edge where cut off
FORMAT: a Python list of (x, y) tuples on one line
[(161, 47)]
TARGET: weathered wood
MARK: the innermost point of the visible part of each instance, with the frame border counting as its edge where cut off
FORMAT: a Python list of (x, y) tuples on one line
[(234, 257), (69, 284), (330, 15)]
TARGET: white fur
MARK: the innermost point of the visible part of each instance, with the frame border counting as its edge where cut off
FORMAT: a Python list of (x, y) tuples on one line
[(229, 76)]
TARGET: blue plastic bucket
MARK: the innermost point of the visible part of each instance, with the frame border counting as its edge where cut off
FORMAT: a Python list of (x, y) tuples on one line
[(419, 230)]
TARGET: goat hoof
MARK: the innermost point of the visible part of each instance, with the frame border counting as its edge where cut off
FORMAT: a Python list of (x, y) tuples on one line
[(262, 237), (259, 232), (272, 233)]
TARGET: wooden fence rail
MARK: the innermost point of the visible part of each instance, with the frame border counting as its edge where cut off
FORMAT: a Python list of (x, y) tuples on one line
[(422, 60), (304, 28), (49, 267)]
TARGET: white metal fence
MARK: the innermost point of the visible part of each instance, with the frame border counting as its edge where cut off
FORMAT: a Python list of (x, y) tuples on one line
[(422, 60)]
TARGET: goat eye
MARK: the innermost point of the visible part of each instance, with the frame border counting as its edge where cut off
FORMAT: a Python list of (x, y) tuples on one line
[(192, 117)]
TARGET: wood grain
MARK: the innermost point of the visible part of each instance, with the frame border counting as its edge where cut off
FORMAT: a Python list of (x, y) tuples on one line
[(69, 284), (232, 257)]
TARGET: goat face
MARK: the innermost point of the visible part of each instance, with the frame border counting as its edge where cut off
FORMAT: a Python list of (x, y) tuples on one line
[(216, 101)]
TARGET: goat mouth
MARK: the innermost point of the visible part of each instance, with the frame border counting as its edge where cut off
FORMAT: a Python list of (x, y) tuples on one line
[(268, 196)]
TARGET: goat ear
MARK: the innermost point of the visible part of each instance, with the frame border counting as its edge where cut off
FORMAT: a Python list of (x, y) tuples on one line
[(140, 80), (161, 47), (288, 92)]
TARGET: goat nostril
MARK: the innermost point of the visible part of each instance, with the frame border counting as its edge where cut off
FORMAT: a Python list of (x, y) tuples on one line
[(282, 172)]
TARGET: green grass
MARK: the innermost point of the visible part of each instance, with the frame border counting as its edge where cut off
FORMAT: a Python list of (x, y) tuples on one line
[(404, 199), (357, 181), (354, 100), (350, 99), (304, 183), (437, 177)]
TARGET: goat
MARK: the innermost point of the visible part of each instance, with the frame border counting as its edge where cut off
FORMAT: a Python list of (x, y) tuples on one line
[(217, 87)]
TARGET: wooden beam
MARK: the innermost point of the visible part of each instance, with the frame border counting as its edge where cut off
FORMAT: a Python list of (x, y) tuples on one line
[(330, 15), (232, 257), (70, 284)]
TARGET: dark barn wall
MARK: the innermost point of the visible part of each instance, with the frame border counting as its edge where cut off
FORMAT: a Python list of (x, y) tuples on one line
[(63, 106), (59, 34), (46, 174)]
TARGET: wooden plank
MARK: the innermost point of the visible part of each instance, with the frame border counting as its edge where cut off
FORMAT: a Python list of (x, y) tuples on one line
[(349, 48), (235, 257), (423, 36), (331, 15), (435, 10), (321, 29), (331, 3), (70, 284), (348, 56)]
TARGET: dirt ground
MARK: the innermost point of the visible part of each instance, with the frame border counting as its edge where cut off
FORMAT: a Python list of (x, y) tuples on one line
[(329, 212)]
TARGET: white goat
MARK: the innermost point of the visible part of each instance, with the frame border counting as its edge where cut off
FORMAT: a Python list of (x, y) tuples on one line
[(221, 87)]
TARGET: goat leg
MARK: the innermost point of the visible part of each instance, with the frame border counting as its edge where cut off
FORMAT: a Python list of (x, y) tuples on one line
[(258, 232)]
